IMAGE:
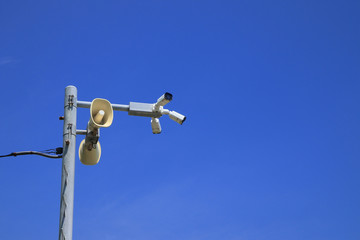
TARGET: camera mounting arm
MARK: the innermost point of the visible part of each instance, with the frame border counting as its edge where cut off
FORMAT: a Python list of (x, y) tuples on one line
[(153, 110)]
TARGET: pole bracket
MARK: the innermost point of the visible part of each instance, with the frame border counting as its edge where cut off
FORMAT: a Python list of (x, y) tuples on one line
[(71, 100), (68, 133), (92, 138)]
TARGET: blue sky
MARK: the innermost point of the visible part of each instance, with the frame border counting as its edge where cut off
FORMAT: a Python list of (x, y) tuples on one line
[(270, 147)]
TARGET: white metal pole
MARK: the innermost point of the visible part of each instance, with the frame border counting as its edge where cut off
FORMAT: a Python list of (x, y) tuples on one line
[(68, 164)]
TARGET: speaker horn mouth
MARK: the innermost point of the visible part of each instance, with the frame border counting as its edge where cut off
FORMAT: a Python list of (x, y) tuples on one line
[(101, 113)]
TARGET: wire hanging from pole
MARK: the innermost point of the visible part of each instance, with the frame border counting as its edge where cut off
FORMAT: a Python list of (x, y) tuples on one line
[(46, 153)]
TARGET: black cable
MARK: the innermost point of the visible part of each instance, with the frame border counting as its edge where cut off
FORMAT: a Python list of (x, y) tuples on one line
[(9, 155), (58, 151), (53, 151), (48, 150)]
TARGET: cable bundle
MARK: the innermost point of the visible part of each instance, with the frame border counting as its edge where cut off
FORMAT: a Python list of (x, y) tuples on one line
[(49, 153)]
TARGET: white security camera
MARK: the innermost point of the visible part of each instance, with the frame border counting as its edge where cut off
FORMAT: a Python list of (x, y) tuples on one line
[(162, 101), (155, 125), (177, 117), (155, 111)]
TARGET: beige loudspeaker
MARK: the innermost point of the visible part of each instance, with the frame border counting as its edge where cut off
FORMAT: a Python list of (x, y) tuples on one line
[(101, 113), (89, 157)]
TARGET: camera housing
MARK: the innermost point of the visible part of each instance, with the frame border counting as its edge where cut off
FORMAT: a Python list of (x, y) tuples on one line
[(163, 100), (155, 125), (177, 117)]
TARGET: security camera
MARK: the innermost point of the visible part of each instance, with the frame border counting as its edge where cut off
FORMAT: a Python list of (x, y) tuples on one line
[(155, 125), (177, 117), (155, 111), (163, 100)]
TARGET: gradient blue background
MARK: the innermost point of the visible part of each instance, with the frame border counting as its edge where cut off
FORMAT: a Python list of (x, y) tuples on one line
[(270, 149)]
